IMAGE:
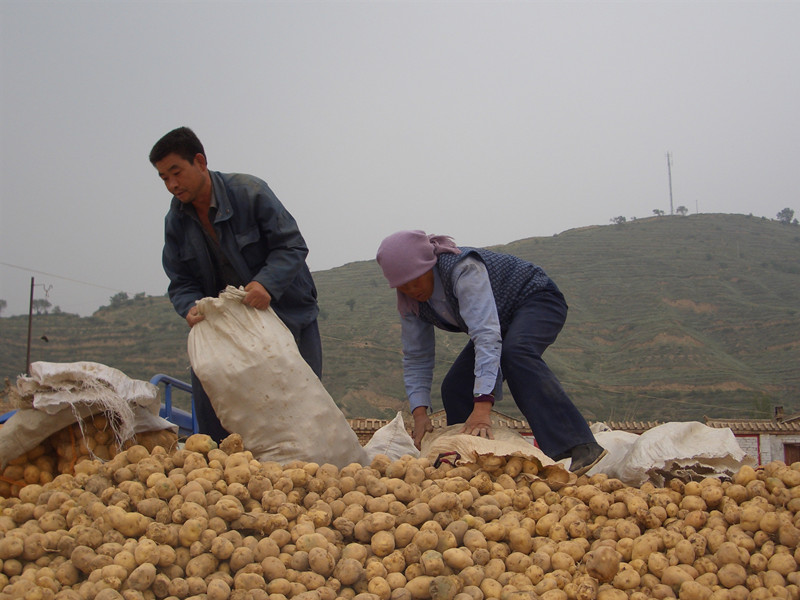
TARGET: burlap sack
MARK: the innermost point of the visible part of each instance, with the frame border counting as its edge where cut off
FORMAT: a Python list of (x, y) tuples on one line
[(508, 449)]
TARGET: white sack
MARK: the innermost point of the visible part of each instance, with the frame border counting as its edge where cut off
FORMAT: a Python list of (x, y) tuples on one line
[(28, 427), (53, 387), (684, 449), (145, 421), (56, 395), (617, 443), (56, 385), (262, 389), (391, 440), (447, 444), (506, 442)]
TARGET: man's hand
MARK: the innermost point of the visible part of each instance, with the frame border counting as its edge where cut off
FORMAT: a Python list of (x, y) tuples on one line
[(422, 425), (479, 422), (193, 316), (257, 296)]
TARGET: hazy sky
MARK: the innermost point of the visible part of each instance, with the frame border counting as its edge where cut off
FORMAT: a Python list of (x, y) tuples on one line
[(488, 121)]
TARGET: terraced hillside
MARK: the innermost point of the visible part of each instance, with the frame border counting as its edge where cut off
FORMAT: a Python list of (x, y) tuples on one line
[(671, 318)]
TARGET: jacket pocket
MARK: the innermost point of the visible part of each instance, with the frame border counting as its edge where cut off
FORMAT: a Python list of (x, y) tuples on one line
[(246, 238), (187, 254)]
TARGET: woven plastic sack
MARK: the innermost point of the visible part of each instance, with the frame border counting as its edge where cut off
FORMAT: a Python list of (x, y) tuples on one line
[(262, 389), (56, 395), (684, 450), (391, 440)]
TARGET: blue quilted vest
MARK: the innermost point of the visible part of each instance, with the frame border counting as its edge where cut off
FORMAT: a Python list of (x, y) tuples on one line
[(512, 280)]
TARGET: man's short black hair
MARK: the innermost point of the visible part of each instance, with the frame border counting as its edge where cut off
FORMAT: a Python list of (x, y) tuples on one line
[(181, 141)]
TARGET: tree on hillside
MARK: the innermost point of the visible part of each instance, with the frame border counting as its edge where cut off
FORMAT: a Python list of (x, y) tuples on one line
[(3, 305), (41, 306), (118, 299), (618, 220), (682, 210), (658, 212), (786, 215)]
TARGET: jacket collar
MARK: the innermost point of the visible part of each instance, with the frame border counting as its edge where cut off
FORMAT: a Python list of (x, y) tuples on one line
[(220, 197)]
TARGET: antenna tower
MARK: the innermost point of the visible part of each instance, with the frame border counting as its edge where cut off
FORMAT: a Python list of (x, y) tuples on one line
[(669, 176)]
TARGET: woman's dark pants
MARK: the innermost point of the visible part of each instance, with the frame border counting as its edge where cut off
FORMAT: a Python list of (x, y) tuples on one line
[(556, 423)]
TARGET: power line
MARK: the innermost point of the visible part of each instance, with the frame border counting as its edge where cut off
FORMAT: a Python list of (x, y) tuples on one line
[(102, 287)]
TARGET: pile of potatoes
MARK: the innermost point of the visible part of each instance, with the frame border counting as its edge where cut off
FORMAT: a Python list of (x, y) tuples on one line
[(207, 522), (94, 438)]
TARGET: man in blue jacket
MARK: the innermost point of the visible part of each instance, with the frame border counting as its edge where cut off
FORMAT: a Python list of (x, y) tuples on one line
[(230, 229)]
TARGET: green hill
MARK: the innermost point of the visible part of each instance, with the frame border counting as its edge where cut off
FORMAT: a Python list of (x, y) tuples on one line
[(671, 318)]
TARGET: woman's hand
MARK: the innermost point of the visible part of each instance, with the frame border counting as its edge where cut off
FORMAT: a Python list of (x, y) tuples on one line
[(422, 425), (479, 422)]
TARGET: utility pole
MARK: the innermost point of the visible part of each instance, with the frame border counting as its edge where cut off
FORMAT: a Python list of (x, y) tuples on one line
[(669, 176), (30, 317), (30, 323)]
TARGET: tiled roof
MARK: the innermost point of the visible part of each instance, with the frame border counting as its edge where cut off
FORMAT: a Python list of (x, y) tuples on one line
[(755, 426), (742, 426), (438, 418), (364, 428), (632, 426)]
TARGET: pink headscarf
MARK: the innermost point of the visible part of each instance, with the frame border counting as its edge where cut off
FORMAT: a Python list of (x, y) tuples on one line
[(406, 255)]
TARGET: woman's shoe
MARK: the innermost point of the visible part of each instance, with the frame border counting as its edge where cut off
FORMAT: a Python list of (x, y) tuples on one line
[(585, 456)]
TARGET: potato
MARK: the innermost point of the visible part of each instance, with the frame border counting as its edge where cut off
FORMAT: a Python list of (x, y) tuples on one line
[(199, 442), (249, 581), (243, 556), (218, 589), (228, 508), (214, 523), (348, 571), (142, 577), (379, 521), (783, 563), (457, 559), (129, 524), (432, 563), (603, 563), (11, 547), (419, 587), (382, 543)]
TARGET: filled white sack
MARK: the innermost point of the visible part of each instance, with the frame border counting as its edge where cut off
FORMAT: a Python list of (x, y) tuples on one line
[(262, 388), (56, 395), (466, 448), (617, 443), (391, 440), (53, 386), (675, 449)]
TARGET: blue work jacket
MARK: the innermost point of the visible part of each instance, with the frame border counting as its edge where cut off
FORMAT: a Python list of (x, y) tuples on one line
[(260, 239)]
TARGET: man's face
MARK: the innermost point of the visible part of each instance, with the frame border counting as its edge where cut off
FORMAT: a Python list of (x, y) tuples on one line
[(420, 289), (185, 180)]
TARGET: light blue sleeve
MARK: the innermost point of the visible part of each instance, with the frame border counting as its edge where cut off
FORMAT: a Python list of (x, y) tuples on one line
[(419, 351), (479, 311)]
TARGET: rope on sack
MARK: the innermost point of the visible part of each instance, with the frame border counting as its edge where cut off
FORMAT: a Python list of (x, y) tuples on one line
[(450, 458)]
